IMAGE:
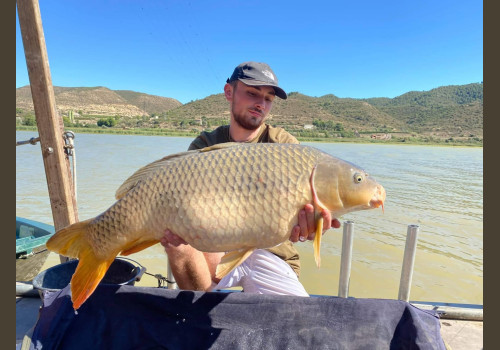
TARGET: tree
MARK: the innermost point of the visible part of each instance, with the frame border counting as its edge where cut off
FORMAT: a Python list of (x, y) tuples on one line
[(338, 127), (109, 122), (67, 121), (29, 120)]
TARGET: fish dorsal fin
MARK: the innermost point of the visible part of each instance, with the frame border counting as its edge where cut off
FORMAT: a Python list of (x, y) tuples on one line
[(146, 170), (220, 146)]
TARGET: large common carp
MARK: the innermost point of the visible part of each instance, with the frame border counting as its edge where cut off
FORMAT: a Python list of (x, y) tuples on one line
[(232, 197)]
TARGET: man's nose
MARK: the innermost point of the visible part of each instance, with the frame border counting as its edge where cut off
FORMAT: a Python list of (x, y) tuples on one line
[(261, 103)]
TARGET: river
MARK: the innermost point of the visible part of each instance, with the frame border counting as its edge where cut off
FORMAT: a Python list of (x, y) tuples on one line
[(438, 188)]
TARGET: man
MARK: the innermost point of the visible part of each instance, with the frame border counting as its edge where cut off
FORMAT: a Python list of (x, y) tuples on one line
[(250, 92)]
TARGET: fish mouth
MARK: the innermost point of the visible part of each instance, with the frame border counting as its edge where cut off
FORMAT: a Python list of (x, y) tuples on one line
[(378, 198)]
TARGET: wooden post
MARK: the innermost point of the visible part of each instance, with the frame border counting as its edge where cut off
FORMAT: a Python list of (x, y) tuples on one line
[(50, 125)]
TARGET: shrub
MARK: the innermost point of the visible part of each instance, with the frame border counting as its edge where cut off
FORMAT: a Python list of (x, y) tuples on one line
[(29, 120), (109, 122)]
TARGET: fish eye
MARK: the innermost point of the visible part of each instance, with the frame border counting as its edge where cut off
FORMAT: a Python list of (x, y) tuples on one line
[(358, 178)]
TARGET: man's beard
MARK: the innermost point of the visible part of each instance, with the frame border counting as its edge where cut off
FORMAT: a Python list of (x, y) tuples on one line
[(249, 123)]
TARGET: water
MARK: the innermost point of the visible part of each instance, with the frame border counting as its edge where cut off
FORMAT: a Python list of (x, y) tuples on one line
[(438, 188)]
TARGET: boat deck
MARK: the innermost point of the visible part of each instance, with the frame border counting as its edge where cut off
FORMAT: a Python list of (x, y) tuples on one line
[(462, 335), (27, 268), (26, 316)]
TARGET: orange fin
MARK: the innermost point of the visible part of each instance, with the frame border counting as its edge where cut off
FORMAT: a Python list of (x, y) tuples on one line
[(231, 260), (319, 222), (88, 274), (72, 241), (69, 240), (317, 241), (138, 246)]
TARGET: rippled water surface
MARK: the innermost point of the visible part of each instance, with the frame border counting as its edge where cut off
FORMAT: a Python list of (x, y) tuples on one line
[(438, 188)]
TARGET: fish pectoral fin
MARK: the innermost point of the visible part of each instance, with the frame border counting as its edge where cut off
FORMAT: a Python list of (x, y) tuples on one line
[(317, 241), (137, 246), (231, 260), (89, 272), (319, 222)]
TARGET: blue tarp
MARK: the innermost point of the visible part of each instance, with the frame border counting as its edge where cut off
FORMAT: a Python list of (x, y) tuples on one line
[(129, 317)]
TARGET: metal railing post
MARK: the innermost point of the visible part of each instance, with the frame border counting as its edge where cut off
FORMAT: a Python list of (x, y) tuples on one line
[(170, 277), (345, 259), (408, 262)]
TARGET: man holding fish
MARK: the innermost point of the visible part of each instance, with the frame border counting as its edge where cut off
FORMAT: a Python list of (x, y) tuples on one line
[(250, 91), (237, 202)]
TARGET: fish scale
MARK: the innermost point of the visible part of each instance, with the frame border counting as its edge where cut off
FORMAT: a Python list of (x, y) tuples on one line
[(248, 195), (228, 197)]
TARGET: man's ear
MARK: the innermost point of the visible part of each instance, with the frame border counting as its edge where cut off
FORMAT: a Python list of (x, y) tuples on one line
[(228, 91)]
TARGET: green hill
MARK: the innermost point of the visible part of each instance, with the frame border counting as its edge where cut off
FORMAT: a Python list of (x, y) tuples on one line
[(454, 111)]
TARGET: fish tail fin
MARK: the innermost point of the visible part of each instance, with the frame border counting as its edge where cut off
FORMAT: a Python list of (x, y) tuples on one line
[(317, 241), (88, 274), (72, 241), (231, 260)]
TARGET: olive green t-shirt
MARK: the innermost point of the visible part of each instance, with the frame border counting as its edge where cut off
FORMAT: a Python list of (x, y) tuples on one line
[(267, 134)]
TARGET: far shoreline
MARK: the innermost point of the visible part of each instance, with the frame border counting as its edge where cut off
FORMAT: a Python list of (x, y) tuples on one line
[(419, 141)]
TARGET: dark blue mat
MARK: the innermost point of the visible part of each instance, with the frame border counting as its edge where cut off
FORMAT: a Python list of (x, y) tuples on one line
[(128, 317)]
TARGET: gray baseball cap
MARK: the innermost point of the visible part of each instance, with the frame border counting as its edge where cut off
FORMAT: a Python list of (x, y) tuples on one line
[(257, 74)]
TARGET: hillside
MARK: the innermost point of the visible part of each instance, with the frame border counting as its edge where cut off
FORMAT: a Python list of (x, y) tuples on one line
[(451, 111), (445, 112), (100, 101), (454, 109)]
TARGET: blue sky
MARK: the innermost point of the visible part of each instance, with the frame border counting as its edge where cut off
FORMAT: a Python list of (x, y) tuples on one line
[(187, 49)]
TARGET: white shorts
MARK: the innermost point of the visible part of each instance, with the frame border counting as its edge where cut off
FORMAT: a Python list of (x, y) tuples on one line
[(264, 273)]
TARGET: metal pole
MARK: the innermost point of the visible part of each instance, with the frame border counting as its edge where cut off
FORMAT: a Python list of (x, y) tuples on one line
[(408, 262), (170, 277), (345, 259)]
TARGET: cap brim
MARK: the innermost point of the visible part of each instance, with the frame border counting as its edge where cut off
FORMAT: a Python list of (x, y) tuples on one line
[(277, 90)]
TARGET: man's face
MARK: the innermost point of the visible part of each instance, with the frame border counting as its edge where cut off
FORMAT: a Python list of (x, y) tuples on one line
[(250, 105)]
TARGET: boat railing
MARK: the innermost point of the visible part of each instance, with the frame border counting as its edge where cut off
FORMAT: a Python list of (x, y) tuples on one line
[(346, 261), (445, 310), (406, 270), (448, 310), (346, 258)]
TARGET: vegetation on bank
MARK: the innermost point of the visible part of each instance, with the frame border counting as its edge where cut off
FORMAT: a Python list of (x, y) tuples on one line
[(401, 140), (448, 115)]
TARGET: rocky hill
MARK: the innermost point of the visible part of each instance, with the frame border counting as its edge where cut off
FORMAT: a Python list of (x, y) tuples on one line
[(100, 101), (447, 111)]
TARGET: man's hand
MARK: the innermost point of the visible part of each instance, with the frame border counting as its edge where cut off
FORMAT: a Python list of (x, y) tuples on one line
[(306, 228)]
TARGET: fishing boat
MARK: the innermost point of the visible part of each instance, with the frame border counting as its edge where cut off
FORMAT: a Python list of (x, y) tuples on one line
[(31, 252)]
